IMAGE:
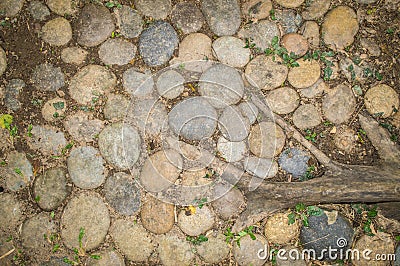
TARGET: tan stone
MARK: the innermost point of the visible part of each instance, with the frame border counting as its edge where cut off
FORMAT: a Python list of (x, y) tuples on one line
[(381, 99), (54, 109), (290, 3), (310, 31), (305, 75), (283, 100), (257, 9), (339, 104), (266, 140), (316, 9), (345, 139), (381, 243), (279, 231), (157, 216), (296, 43), (57, 32), (306, 116)]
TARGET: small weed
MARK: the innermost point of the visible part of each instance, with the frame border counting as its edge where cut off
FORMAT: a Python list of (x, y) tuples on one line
[(328, 123), (111, 4), (272, 14), (59, 105), (360, 133), (56, 247), (390, 31), (115, 34), (197, 240), (397, 238), (29, 131), (302, 212), (310, 135), (3, 163), (276, 49), (236, 237), (393, 136), (249, 43), (350, 68), (52, 215), (309, 174), (369, 73), (200, 202), (18, 171), (67, 148), (10, 238), (368, 215), (322, 56), (37, 102), (37, 198)]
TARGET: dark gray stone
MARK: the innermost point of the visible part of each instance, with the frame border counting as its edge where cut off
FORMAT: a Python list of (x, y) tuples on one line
[(397, 260), (47, 77), (36, 232), (129, 21), (12, 92), (223, 16), (289, 20), (187, 17), (294, 161), (39, 10)]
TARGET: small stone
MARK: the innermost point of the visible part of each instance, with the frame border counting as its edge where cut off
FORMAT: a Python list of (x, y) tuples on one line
[(122, 193), (129, 21), (230, 50), (170, 84), (198, 222), (187, 17), (120, 145), (283, 100), (18, 172), (157, 43), (38, 10), (11, 8), (339, 104), (316, 9), (260, 34), (132, 239), (310, 31), (74, 55), (351, 71), (107, 257), (294, 161), (117, 52), (371, 46), (339, 27), (137, 83), (86, 167), (36, 232), (249, 110), (306, 116), (290, 3), (159, 222), (11, 212), (62, 7), (381, 99), (247, 253), (94, 25), (116, 107), (381, 243), (223, 16), (296, 43), (91, 82), (279, 231), (157, 9), (3, 61), (288, 19), (54, 109), (5, 142), (233, 125), (229, 203), (51, 188), (261, 167), (87, 212), (214, 250), (57, 32), (47, 140), (366, 1), (345, 139), (82, 128), (257, 9), (12, 93), (265, 73), (315, 90), (173, 250), (231, 151), (305, 75), (266, 140), (47, 77), (193, 119)]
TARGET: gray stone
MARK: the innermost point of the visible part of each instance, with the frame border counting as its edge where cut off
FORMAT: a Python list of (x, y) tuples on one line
[(261, 167), (283, 100), (353, 72), (54, 109), (122, 193), (86, 167), (381, 99), (294, 161), (161, 221), (197, 222), (257, 9), (231, 151), (316, 9), (366, 1), (173, 250), (290, 259), (315, 90), (116, 107), (86, 212), (51, 188), (82, 128), (74, 55), (46, 139), (372, 47), (223, 16), (231, 51), (129, 21), (3, 61), (36, 232), (6, 244), (221, 85), (18, 172), (54, 261), (107, 257), (170, 84), (397, 261), (137, 83), (117, 52), (187, 17), (233, 125), (193, 119), (214, 250), (132, 239), (12, 92), (39, 10), (266, 140), (94, 25), (249, 110), (306, 116), (10, 8), (63, 7), (260, 33), (57, 32), (11, 212), (289, 20), (323, 233), (120, 145), (339, 104), (157, 9), (47, 77), (229, 203), (157, 43), (310, 31), (247, 253)]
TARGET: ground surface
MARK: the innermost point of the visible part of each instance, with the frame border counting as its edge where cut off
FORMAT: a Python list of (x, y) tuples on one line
[(106, 105)]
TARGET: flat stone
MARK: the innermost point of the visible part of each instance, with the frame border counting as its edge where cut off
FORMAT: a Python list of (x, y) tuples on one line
[(229, 203), (194, 118), (120, 145), (396, 119), (5, 246), (86, 167), (246, 254), (47, 77), (316, 9), (292, 257), (82, 128), (54, 261), (257, 9), (187, 17), (265, 73), (74, 55), (306, 116), (38, 10), (249, 110), (87, 212), (381, 243), (132, 239), (223, 16), (305, 75), (351, 71), (295, 43), (230, 50), (233, 125), (170, 84), (397, 252), (107, 257), (366, 1), (116, 107), (129, 21), (261, 167), (157, 43), (260, 33), (266, 140), (89, 82), (159, 222), (94, 25), (11, 212), (3, 61), (214, 250), (36, 232), (12, 93), (117, 52), (122, 193), (11, 8), (46, 139), (18, 172), (289, 20), (195, 185), (57, 32), (51, 188), (290, 3), (345, 139), (294, 161), (339, 27), (157, 9), (54, 109), (173, 250), (63, 7), (339, 104), (371, 46), (315, 90), (231, 151), (137, 83), (381, 99), (278, 230), (283, 100), (310, 31), (161, 170), (198, 222)]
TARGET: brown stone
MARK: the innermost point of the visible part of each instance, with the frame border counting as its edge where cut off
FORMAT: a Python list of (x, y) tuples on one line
[(305, 75), (296, 43)]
